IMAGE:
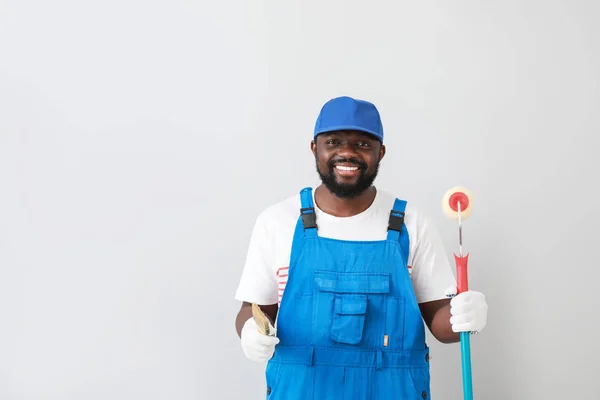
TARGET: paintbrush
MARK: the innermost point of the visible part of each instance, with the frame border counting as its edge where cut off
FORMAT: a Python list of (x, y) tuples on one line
[(264, 325)]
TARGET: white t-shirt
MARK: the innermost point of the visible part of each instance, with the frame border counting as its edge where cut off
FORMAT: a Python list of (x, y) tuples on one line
[(265, 272)]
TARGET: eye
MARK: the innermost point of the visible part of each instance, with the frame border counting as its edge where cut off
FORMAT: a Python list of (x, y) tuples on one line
[(364, 144), (332, 142)]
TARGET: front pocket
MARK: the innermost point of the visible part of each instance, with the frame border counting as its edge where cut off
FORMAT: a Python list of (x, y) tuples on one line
[(401, 383), (420, 379), (393, 336), (348, 318), (349, 308), (302, 319)]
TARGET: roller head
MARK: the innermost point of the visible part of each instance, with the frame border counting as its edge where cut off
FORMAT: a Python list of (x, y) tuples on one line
[(453, 197)]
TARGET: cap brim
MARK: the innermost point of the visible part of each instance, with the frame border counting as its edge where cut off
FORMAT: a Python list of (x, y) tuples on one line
[(349, 128)]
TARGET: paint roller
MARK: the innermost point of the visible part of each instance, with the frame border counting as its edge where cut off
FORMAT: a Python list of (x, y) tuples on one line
[(458, 204)]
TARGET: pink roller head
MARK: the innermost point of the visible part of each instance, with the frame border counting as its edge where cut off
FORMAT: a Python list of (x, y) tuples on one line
[(455, 196)]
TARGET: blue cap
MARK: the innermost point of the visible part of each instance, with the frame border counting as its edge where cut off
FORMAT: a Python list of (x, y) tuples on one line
[(346, 113)]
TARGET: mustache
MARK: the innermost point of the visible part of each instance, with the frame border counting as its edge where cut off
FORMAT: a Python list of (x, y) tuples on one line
[(363, 165)]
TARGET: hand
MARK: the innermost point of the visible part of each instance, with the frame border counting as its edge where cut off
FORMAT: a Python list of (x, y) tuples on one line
[(257, 347), (468, 310)]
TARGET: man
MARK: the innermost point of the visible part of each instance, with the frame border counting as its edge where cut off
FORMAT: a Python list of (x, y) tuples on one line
[(349, 276)]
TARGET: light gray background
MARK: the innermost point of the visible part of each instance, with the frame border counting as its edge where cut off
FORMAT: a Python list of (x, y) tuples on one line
[(139, 140)]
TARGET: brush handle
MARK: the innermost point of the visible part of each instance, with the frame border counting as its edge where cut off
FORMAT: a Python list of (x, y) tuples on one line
[(462, 279)]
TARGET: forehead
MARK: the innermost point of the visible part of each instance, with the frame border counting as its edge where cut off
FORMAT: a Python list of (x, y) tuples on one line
[(348, 135)]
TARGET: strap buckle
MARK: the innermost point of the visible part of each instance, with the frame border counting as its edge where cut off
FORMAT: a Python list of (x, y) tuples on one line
[(396, 221), (309, 218)]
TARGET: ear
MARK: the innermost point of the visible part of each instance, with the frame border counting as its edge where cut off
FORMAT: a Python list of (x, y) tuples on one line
[(313, 147), (382, 152)]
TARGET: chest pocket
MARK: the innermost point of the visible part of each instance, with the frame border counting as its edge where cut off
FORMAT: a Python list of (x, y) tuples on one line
[(350, 307), (348, 318)]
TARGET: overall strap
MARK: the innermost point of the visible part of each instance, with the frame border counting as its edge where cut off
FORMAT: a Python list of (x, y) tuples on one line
[(397, 229), (307, 212), (305, 227)]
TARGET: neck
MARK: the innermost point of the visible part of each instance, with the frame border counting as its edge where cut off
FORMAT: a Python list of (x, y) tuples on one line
[(343, 207)]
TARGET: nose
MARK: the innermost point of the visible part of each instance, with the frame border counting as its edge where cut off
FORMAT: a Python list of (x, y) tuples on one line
[(346, 150)]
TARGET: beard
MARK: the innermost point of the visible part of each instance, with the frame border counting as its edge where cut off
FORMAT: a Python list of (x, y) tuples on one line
[(347, 190)]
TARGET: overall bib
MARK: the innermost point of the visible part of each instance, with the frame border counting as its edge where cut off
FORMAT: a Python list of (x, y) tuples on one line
[(349, 324)]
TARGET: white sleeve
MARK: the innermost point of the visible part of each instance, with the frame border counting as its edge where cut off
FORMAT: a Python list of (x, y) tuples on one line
[(258, 283), (431, 270)]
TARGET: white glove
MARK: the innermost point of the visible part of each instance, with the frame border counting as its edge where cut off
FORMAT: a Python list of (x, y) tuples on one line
[(258, 347), (469, 311)]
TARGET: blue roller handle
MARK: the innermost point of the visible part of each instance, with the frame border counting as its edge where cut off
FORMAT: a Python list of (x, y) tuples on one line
[(462, 277), (465, 349)]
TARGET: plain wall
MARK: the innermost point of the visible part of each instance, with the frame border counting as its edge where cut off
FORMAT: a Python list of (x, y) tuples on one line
[(139, 140)]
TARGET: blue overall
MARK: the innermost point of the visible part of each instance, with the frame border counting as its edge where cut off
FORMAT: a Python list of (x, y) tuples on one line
[(349, 324)]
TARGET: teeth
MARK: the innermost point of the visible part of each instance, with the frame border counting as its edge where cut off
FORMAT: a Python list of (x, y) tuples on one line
[(344, 168)]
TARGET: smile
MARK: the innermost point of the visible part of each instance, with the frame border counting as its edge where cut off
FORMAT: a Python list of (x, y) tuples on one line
[(345, 168)]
